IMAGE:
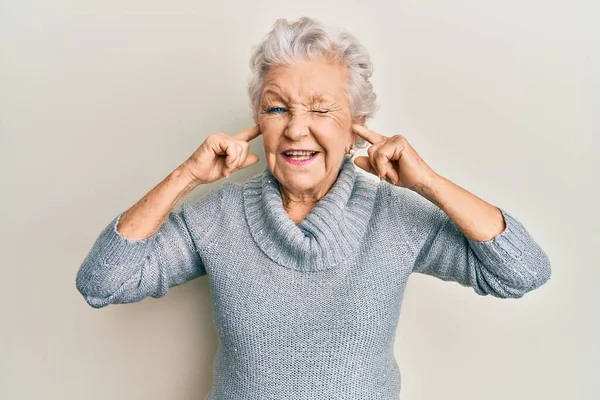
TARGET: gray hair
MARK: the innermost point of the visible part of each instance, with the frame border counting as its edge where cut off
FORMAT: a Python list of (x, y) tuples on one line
[(307, 39)]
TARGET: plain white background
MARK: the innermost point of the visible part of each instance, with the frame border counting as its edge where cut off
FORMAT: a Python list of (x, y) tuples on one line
[(101, 100)]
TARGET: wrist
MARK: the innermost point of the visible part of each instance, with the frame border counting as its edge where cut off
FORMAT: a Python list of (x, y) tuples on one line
[(183, 178), (428, 187)]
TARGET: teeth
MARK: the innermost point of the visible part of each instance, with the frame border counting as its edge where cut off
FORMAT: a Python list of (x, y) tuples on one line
[(300, 153), (300, 158)]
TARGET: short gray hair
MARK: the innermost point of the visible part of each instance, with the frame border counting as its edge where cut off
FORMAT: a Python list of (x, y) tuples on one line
[(307, 38)]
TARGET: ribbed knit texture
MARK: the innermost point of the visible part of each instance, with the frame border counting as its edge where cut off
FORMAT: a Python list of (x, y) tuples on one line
[(308, 311)]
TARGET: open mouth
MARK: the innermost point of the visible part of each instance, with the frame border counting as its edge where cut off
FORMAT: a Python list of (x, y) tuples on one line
[(299, 157)]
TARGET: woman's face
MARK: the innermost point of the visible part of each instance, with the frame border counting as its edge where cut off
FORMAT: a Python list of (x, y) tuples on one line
[(304, 107)]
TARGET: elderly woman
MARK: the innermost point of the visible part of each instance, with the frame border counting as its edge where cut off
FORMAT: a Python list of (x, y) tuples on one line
[(308, 260)]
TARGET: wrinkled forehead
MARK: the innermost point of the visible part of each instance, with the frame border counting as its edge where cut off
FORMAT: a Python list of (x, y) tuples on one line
[(289, 95), (307, 83)]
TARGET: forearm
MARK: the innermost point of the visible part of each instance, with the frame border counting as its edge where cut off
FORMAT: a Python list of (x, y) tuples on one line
[(146, 216), (476, 218)]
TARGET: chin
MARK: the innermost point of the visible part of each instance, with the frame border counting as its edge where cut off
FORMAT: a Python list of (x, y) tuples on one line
[(300, 183), (302, 178)]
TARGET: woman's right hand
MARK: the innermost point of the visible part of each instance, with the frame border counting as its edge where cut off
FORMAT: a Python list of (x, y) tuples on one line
[(221, 154)]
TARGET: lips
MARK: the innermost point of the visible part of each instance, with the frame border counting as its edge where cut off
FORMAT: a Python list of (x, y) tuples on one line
[(300, 158), (303, 152)]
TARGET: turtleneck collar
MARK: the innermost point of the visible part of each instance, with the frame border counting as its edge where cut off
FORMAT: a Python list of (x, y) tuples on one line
[(330, 233)]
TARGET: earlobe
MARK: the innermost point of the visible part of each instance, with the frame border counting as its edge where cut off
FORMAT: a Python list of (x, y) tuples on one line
[(350, 150)]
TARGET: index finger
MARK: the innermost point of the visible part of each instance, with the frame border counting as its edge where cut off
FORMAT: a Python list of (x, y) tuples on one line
[(367, 134), (248, 134)]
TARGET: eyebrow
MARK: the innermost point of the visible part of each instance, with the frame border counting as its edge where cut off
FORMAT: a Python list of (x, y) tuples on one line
[(319, 96), (276, 93)]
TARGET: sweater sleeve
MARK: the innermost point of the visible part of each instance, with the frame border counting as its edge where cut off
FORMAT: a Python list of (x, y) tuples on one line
[(119, 270), (506, 266)]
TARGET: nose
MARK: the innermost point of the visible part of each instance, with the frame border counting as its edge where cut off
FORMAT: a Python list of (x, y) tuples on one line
[(298, 126)]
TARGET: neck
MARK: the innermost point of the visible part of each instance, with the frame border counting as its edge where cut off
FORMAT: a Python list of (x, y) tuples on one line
[(299, 204), (326, 236), (297, 212)]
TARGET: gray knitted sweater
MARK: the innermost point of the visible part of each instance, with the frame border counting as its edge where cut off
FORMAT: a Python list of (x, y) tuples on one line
[(308, 311)]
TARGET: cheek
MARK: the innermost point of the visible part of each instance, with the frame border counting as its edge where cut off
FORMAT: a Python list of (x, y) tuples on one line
[(330, 134)]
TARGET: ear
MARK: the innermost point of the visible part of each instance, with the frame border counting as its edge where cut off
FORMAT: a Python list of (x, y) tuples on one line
[(362, 121)]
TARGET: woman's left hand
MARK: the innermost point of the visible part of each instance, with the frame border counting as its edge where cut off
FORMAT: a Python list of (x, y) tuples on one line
[(393, 159)]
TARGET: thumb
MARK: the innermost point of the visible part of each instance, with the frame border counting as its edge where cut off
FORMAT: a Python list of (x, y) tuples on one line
[(251, 158), (364, 163)]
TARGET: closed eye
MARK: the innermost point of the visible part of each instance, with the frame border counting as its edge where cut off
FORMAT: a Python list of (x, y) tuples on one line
[(321, 111)]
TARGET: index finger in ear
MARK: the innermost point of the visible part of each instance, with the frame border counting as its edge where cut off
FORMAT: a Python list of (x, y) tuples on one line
[(248, 134), (367, 134)]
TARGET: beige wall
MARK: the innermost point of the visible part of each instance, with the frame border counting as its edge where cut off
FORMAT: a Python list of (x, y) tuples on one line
[(101, 100)]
